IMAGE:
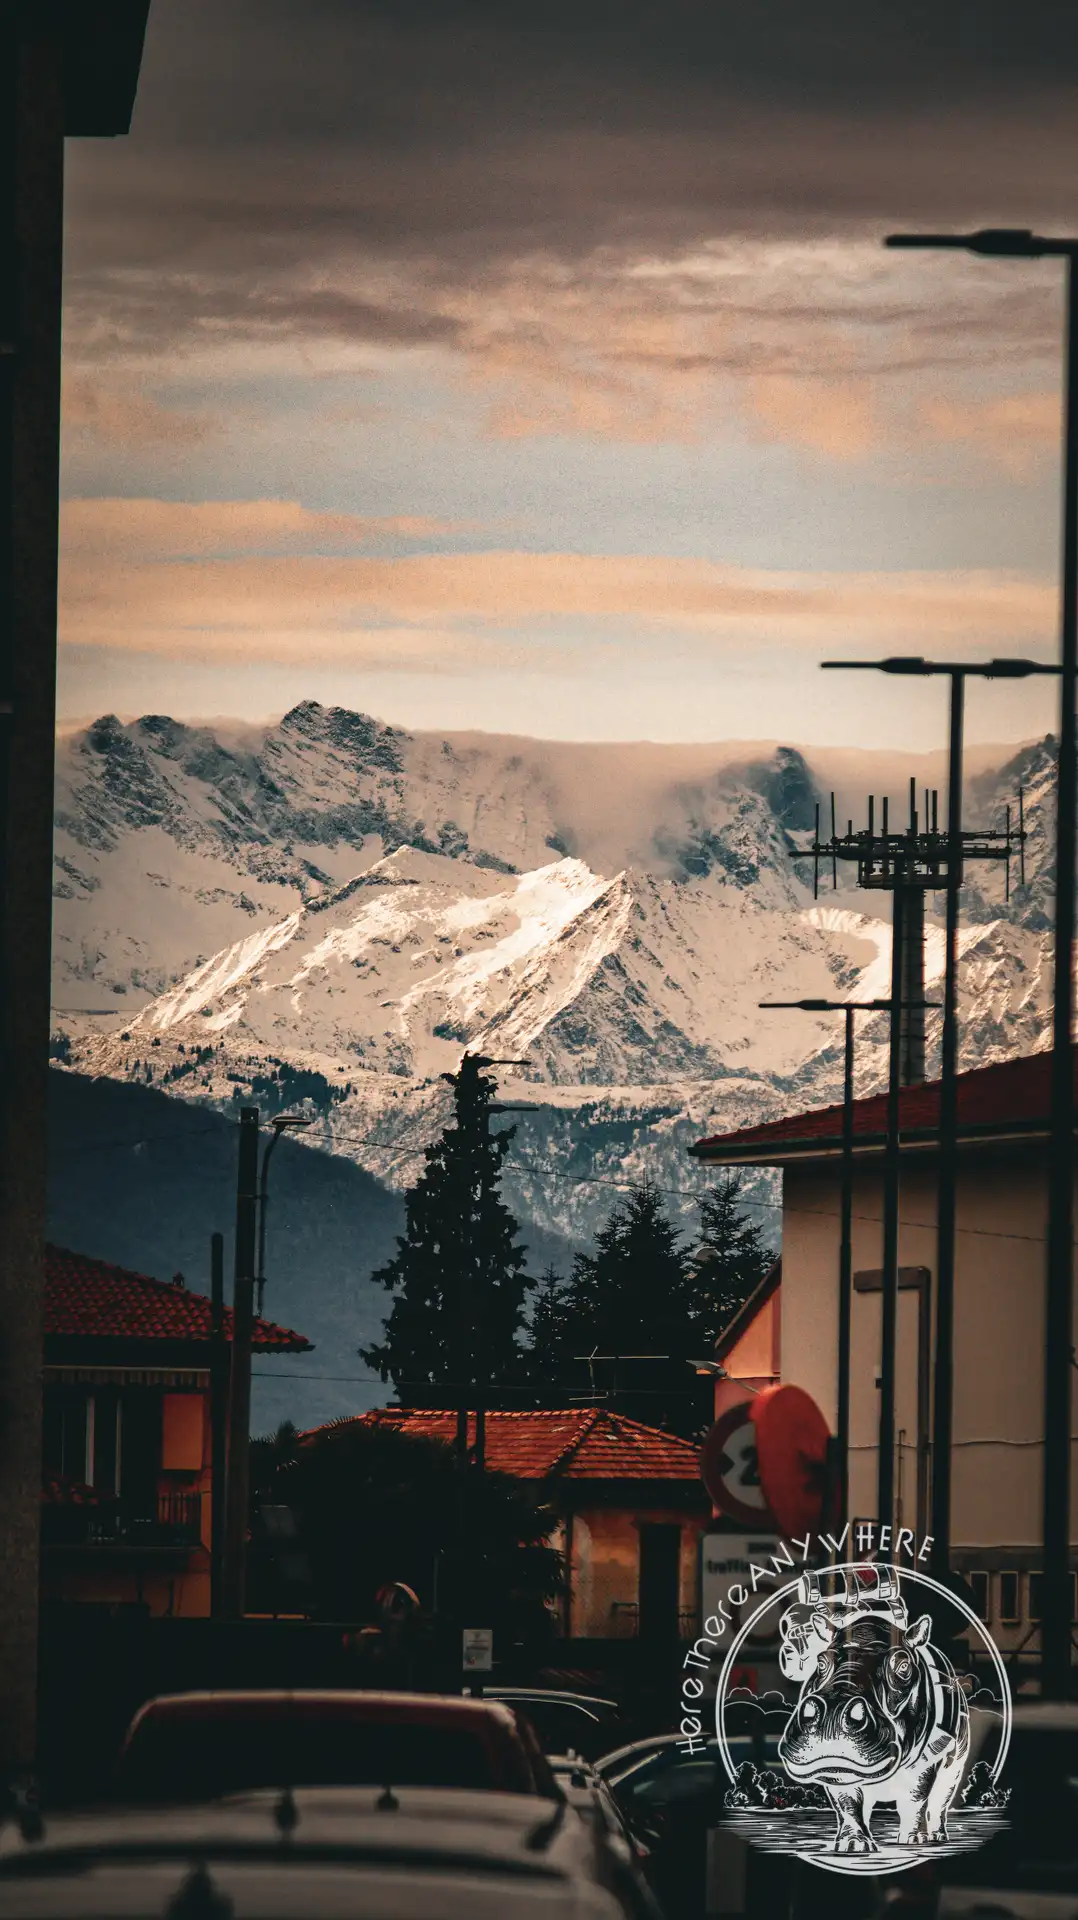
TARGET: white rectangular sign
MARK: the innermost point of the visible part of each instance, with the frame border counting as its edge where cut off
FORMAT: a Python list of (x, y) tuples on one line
[(725, 1560), (478, 1649)]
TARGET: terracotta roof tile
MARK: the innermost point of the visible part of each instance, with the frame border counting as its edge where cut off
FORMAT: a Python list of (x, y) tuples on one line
[(1012, 1093), (89, 1299), (582, 1443)]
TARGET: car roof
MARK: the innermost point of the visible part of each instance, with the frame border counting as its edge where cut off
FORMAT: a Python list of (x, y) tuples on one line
[(1053, 1716), (550, 1693), (264, 1892), (461, 1825), (337, 1703), (656, 1743)]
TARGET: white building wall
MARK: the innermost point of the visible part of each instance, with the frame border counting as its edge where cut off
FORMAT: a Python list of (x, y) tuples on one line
[(999, 1321)]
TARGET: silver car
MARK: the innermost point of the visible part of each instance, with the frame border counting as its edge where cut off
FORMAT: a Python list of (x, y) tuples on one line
[(394, 1854)]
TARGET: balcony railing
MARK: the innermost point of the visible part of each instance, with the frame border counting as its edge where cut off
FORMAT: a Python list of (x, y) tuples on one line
[(625, 1621), (174, 1522)]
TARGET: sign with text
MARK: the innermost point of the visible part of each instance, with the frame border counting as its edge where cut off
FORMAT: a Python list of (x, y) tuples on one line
[(726, 1560), (478, 1649)]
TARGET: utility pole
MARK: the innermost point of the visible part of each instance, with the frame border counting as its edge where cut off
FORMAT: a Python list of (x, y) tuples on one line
[(938, 860), (239, 1399), (218, 1420), (849, 1009), (1019, 243)]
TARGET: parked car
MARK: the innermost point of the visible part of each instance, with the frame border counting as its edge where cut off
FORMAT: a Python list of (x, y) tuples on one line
[(652, 1775), (369, 1854), (628, 1852), (565, 1722), (1028, 1870), (199, 1746)]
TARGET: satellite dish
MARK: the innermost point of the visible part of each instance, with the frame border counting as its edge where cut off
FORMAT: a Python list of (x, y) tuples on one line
[(792, 1451), (728, 1468)]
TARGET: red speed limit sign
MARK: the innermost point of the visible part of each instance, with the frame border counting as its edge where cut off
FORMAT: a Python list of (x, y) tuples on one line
[(729, 1468)]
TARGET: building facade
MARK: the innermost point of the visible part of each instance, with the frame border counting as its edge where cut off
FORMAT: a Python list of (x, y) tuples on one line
[(630, 1503), (998, 1421), (127, 1445)]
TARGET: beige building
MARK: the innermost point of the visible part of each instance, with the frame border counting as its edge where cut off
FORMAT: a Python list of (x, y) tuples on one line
[(998, 1426), (630, 1502)]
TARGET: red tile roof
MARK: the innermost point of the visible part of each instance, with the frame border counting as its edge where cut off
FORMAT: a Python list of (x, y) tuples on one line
[(89, 1299), (1014, 1094), (584, 1443)]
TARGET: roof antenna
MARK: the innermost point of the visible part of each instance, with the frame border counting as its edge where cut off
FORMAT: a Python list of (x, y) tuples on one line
[(286, 1814), (834, 855), (200, 1898), (387, 1801), (541, 1836)]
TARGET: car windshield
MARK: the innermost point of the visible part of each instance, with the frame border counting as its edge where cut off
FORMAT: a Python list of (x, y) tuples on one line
[(204, 1759)]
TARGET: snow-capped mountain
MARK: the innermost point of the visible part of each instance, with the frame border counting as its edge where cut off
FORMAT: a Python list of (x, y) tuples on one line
[(330, 909)]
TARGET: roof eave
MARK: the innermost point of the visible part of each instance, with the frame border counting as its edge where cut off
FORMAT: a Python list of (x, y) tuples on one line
[(748, 1310), (763, 1153), (102, 57)]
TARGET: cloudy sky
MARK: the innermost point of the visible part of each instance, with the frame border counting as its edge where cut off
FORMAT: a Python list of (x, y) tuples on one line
[(539, 369)]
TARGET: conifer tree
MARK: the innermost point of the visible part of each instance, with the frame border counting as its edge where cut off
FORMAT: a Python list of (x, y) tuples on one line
[(729, 1261), (457, 1275), (625, 1299), (641, 1293)]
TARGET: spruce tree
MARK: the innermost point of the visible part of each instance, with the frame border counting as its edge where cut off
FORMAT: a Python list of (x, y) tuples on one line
[(728, 1263), (640, 1293), (625, 1299), (458, 1271)]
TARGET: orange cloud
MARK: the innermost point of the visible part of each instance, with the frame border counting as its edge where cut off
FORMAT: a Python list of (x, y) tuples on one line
[(444, 607), (834, 417), (147, 529), (1015, 431)]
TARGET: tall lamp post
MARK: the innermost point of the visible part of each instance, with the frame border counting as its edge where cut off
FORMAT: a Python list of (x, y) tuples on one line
[(284, 1123), (957, 672), (850, 1009), (1009, 243)]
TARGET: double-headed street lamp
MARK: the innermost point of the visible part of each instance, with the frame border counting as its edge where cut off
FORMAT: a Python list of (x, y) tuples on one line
[(850, 1009), (957, 672), (1010, 243)]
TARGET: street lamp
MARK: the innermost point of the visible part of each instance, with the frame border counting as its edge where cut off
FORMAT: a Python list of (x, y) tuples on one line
[(284, 1123), (850, 1008), (1011, 243), (958, 672)]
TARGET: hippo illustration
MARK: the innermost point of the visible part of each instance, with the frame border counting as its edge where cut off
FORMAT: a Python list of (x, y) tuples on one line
[(880, 1718)]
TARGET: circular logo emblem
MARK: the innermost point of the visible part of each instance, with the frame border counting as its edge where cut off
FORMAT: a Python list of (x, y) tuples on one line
[(884, 1742)]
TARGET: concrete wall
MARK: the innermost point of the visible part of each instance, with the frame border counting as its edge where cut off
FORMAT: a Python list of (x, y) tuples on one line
[(605, 1572), (999, 1340)]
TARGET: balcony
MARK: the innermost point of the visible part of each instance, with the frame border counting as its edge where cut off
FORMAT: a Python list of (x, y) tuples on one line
[(625, 1622), (172, 1525)]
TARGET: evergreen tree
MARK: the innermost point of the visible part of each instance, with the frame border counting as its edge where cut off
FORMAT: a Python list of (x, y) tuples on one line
[(458, 1271), (729, 1261), (625, 1299), (640, 1293)]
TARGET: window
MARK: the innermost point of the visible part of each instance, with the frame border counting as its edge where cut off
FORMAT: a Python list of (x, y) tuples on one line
[(1009, 1612), (980, 1588), (1036, 1590), (68, 1434)]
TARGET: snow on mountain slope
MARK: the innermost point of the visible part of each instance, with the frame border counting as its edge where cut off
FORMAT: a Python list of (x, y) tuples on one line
[(328, 910)]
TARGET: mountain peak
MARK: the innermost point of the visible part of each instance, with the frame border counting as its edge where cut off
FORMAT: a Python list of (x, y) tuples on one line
[(786, 783), (357, 734)]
